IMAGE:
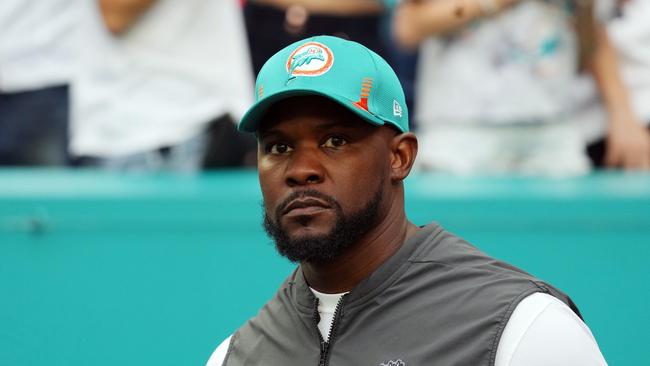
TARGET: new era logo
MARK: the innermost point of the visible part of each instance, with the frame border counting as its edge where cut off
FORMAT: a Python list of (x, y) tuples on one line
[(397, 111), (393, 363)]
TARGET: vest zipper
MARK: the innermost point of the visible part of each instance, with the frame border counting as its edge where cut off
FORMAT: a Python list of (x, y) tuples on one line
[(325, 348)]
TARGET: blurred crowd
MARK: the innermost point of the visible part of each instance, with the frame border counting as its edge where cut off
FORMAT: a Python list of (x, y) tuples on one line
[(541, 87)]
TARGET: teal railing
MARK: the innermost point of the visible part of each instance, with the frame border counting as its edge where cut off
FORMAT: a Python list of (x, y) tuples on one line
[(104, 269)]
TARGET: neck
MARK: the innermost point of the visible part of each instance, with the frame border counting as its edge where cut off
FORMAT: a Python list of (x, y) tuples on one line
[(358, 262)]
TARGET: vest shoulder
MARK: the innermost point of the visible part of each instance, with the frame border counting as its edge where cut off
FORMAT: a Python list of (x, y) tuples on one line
[(446, 249), (443, 257)]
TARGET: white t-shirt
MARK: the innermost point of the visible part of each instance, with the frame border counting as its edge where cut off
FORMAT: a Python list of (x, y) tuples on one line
[(542, 331), (520, 66), (37, 47), (511, 80), (630, 35), (182, 64)]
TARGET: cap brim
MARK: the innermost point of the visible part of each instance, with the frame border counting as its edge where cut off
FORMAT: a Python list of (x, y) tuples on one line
[(251, 120)]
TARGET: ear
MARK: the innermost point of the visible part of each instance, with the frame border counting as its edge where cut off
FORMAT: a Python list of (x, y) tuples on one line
[(404, 148)]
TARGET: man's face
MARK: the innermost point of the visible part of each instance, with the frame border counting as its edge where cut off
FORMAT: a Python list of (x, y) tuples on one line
[(323, 174)]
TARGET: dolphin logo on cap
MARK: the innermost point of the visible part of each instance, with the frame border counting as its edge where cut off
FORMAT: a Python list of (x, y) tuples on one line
[(306, 57), (309, 59)]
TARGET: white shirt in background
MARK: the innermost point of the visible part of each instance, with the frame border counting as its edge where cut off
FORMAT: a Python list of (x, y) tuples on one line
[(506, 79), (37, 47), (182, 64)]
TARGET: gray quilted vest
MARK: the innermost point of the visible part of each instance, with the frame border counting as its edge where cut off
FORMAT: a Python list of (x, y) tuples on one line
[(437, 301)]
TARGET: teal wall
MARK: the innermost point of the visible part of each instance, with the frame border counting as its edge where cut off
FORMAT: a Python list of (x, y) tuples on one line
[(104, 269)]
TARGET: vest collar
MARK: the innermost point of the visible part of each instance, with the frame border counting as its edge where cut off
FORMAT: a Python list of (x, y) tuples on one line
[(384, 276)]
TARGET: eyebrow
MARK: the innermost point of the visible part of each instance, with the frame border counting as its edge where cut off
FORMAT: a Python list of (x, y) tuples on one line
[(339, 123), (265, 134)]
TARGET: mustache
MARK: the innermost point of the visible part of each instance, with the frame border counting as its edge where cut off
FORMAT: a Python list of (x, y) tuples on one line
[(305, 193)]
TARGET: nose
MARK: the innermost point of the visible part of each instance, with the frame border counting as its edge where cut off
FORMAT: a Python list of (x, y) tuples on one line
[(304, 168)]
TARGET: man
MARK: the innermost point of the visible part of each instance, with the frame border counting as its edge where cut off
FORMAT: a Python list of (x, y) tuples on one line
[(372, 288)]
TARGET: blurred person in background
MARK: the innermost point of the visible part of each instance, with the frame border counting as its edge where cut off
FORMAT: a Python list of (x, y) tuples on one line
[(501, 85), (630, 36), (160, 85), (37, 55), (404, 61), (274, 24)]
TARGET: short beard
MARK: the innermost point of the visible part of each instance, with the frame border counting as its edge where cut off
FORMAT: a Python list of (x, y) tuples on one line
[(324, 248)]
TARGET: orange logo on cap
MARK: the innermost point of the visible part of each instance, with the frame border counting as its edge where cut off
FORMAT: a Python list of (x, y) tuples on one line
[(310, 59), (366, 85)]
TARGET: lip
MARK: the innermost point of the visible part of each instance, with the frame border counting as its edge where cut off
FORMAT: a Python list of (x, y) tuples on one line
[(305, 206)]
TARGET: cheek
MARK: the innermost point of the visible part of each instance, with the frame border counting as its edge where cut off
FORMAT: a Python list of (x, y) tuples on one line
[(359, 183), (372, 167), (270, 183)]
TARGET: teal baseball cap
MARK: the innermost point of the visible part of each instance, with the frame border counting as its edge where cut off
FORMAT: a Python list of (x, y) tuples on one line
[(344, 71)]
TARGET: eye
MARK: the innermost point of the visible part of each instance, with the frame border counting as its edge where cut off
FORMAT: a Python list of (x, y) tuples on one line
[(280, 148), (334, 141)]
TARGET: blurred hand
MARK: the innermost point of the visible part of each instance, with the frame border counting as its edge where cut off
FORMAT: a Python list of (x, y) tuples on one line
[(628, 144), (405, 28), (415, 20)]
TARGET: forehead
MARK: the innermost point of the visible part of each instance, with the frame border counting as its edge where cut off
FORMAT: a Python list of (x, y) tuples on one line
[(310, 112)]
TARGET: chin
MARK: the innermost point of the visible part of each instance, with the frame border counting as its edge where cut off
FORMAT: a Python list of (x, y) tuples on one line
[(300, 232), (308, 226)]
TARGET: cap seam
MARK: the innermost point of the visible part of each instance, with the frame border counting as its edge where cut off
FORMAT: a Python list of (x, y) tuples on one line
[(378, 83)]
